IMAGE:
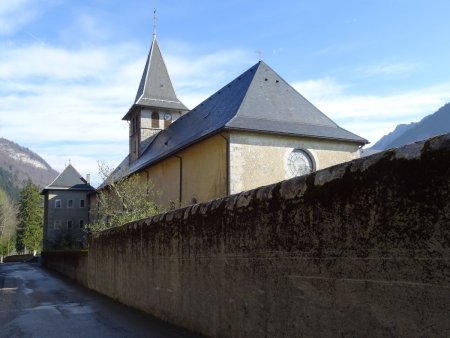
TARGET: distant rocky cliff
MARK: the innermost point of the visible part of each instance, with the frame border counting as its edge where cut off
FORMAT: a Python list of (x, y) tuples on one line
[(18, 165)]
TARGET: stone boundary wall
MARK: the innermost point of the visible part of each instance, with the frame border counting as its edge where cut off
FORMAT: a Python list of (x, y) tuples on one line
[(17, 258), (71, 263), (359, 249)]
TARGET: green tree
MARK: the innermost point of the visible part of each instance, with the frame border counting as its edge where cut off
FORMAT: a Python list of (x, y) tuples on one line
[(121, 199), (31, 217), (8, 225)]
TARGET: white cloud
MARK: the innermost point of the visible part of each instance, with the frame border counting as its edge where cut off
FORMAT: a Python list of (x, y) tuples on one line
[(68, 103), (52, 63), (372, 116), (387, 69), (319, 88), (14, 14)]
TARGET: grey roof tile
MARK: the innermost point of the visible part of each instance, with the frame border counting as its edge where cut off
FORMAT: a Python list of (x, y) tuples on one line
[(71, 179), (258, 100), (155, 88)]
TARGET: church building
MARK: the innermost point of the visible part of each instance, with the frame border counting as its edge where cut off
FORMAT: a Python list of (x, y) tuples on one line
[(254, 131)]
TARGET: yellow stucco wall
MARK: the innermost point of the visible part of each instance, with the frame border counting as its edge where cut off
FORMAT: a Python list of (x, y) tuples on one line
[(204, 173), (165, 177), (205, 170), (261, 159)]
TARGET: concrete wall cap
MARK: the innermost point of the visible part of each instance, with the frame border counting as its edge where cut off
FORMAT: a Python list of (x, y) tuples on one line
[(178, 213), (265, 193), (169, 216), (411, 151), (215, 204), (195, 208), (187, 212), (330, 174), (204, 208), (437, 143), (293, 188), (369, 161), (244, 199), (231, 202)]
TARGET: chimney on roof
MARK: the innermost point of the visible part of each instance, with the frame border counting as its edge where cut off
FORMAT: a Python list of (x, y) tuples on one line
[(88, 178)]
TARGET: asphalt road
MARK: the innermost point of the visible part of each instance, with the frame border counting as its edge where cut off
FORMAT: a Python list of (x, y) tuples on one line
[(38, 303)]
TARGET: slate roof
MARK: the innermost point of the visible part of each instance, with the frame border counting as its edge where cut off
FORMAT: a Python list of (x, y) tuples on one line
[(155, 88), (71, 179), (259, 100)]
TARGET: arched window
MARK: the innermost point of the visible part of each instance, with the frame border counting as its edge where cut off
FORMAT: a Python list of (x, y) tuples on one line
[(155, 120)]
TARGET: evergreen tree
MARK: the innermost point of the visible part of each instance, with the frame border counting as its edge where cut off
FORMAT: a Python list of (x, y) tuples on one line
[(31, 218), (8, 225)]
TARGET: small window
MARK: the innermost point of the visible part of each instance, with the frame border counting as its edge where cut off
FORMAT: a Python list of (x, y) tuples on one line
[(57, 203), (69, 224), (70, 203), (133, 125), (57, 224), (155, 120), (134, 147), (81, 203), (81, 224)]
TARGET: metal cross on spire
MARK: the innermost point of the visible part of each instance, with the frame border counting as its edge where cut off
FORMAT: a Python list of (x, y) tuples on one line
[(154, 23), (260, 54)]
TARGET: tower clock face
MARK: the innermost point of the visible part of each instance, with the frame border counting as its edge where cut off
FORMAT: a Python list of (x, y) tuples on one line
[(167, 117), (299, 163)]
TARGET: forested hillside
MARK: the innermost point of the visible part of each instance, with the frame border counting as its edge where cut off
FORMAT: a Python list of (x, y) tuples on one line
[(18, 165)]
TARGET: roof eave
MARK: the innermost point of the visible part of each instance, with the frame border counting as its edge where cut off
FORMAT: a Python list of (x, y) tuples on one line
[(137, 105), (68, 188), (259, 131), (227, 128)]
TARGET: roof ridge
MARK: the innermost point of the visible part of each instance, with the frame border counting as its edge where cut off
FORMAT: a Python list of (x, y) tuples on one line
[(281, 79), (256, 66)]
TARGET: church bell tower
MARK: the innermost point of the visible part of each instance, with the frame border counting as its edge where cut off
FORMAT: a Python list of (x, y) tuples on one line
[(156, 105)]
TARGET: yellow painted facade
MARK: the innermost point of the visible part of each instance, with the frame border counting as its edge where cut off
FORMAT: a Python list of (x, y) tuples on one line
[(196, 174), (165, 177)]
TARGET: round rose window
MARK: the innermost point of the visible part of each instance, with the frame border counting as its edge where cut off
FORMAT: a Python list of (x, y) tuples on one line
[(299, 163)]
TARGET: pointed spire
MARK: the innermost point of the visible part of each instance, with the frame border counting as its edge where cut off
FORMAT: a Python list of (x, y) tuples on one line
[(155, 88)]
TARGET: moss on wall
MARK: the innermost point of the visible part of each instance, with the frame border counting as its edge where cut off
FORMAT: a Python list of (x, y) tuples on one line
[(358, 249)]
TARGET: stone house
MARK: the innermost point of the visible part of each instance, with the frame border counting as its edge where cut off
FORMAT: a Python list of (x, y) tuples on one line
[(254, 131), (66, 210)]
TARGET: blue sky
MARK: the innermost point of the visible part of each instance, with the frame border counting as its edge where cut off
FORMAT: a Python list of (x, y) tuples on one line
[(69, 70)]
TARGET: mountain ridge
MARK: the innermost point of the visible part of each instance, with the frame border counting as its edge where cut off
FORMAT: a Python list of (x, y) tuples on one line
[(18, 165), (431, 125)]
